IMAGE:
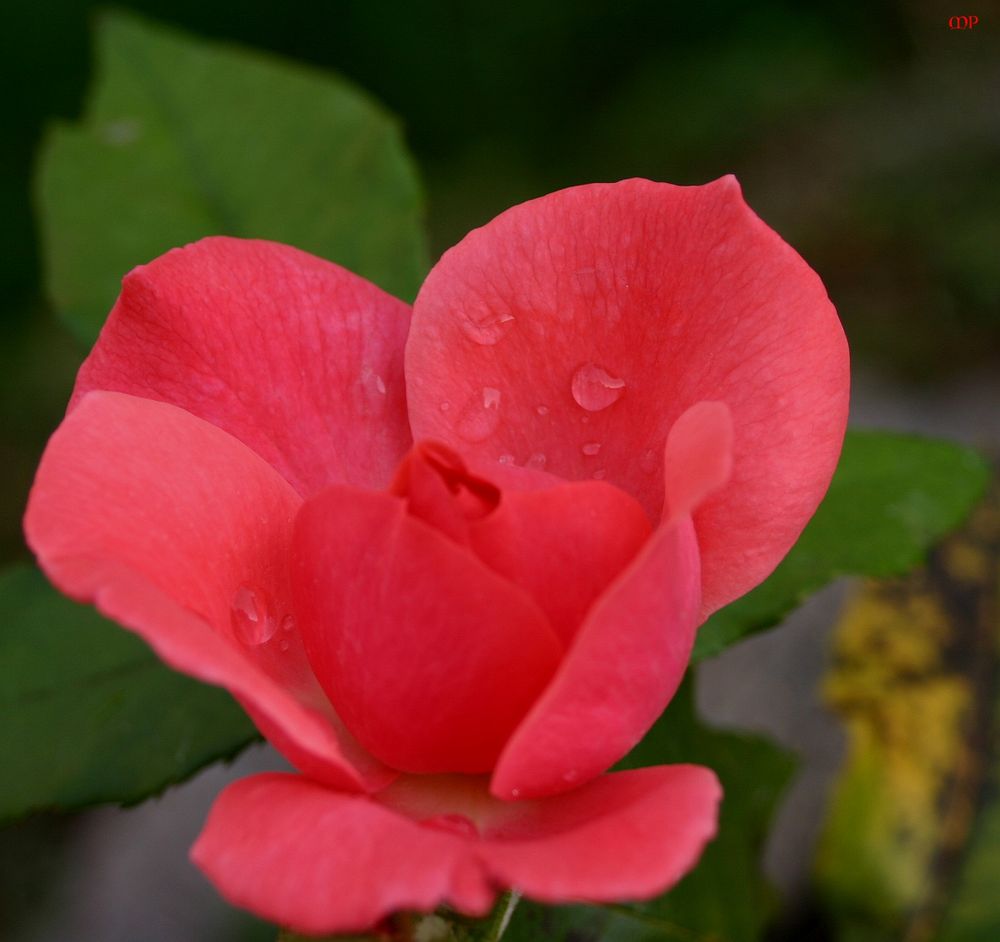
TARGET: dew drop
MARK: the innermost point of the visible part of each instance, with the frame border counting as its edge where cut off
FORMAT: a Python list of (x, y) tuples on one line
[(594, 388), (374, 385), (647, 461), (445, 406), (284, 645), (542, 410), (515, 793), (599, 474), (506, 459), (252, 622), (590, 448), (288, 624), (536, 462), (488, 330), (571, 775), (480, 417)]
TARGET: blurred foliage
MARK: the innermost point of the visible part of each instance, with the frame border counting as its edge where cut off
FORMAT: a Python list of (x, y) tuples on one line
[(892, 496), (905, 853), (33, 854), (185, 139), (753, 773), (89, 714)]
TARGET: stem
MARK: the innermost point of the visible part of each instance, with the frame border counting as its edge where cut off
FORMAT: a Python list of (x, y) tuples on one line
[(501, 916)]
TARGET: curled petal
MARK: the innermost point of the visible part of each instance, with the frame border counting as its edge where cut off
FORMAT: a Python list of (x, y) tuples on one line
[(627, 660), (430, 657), (323, 862), (295, 356), (578, 327), (698, 458), (563, 545), (621, 671), (178, 531)]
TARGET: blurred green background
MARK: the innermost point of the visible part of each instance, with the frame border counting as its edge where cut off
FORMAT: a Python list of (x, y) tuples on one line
[(867, 134)]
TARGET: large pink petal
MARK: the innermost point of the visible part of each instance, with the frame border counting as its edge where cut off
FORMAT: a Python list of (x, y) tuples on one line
[(631, 653), (575, 329), (430, 657), (624, 666), (563, 545), (296, 357), (322, 862), (181, 533), (319, 861)]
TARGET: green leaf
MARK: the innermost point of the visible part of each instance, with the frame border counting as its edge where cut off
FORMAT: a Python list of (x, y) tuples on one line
[(185, 138), (535, 922), (87, 712), (753, 772), (891, 498)]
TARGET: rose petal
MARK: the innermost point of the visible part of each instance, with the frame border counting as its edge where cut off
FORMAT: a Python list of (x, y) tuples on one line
[(616, 679), (430, 658), (319, 861), (563, 545), (439, 490), (165, 522), (698, 458), (631, 653), (581, 325), (323, 862), (296, 357)]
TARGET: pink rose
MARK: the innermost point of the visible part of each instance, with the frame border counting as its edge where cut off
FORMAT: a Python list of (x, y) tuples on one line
[(627, 401)]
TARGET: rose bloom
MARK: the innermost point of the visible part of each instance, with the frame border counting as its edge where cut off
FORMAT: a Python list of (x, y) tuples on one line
[(451, 560)]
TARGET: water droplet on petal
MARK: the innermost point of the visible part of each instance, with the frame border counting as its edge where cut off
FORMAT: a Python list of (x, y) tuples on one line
[(599, 474), (506, 459), (542, 410), (536, 462), (452, 822), (374, 386), (288, 624), (594, 388), (590, 448), (252, 622), (515, 793), (480, 417), (284, 645), (488, 330), (571, 775), (648, 462), (445, 406)]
